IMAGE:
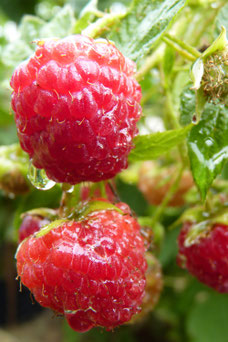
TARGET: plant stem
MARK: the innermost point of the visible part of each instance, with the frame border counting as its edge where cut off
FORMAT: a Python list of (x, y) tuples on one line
[(69, 200), (184, 49), (168, 197), (102, 24)]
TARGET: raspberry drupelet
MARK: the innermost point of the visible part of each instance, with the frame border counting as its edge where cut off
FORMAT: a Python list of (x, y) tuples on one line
[(76, 106), (92, 270)]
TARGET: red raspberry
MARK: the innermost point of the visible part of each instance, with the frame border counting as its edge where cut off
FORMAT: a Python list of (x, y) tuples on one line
[(30, 225), (204, 255), (92, 271), (76, 106)]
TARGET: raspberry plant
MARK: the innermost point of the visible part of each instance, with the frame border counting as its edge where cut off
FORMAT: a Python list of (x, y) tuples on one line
[(119, 114)]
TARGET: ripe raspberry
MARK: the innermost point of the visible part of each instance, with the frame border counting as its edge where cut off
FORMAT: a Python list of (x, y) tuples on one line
[(154, 182), (92, 271), (204, 254), (76, 106), (30, 225)]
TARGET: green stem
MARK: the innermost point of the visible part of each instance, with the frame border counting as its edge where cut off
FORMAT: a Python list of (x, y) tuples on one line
[(69, 200), (98, 13), (102, 24), (184, 49), (171, 116), (102, 189), (168, 197), (170, 110)]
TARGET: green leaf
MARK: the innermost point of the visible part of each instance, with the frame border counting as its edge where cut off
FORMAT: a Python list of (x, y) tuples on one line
[(16, 52), (187, 105), (169, 248), (218, 45), (30, 28), (143, 26), (152, 146), (208, 146), (61, 25), (8, 135), (222, 19), (207, 319), (130, 194)]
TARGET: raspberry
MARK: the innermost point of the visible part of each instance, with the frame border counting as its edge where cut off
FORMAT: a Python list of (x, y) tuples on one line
[(215, 78), (13, 173), (92, 271), (204, 254), (76, 106), (154, 182), (14, 183), (30, 225), (154, 285)]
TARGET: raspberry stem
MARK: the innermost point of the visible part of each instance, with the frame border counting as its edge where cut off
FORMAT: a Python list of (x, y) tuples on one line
[(168, 197), (102, 24), (70, 199), (184, 49)]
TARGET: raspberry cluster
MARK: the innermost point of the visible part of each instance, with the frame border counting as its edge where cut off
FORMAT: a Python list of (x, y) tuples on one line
[(76, 106), (91, 270)]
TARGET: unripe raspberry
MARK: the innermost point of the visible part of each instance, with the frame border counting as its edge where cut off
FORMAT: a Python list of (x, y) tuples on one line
[(13, 170), (14, 183), (203, 252), (91, 270), (76, 106), (215, 77), (154, 182), (154, 285)]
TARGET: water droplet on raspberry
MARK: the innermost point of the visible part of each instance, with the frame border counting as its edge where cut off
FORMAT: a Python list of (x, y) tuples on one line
[(39, 179)]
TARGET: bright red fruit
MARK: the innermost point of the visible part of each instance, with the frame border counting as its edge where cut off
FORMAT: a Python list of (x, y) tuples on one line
[(205, 255), (76, 106), (30, 225), (92, 271)]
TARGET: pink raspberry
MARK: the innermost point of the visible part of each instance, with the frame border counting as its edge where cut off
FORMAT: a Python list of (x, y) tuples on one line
[(204, 254), (76, 106), (30, 225), (92, 271)]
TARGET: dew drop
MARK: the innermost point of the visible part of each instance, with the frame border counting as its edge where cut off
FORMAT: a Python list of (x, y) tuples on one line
[(39, 179), (70, 190), (209, 142)]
